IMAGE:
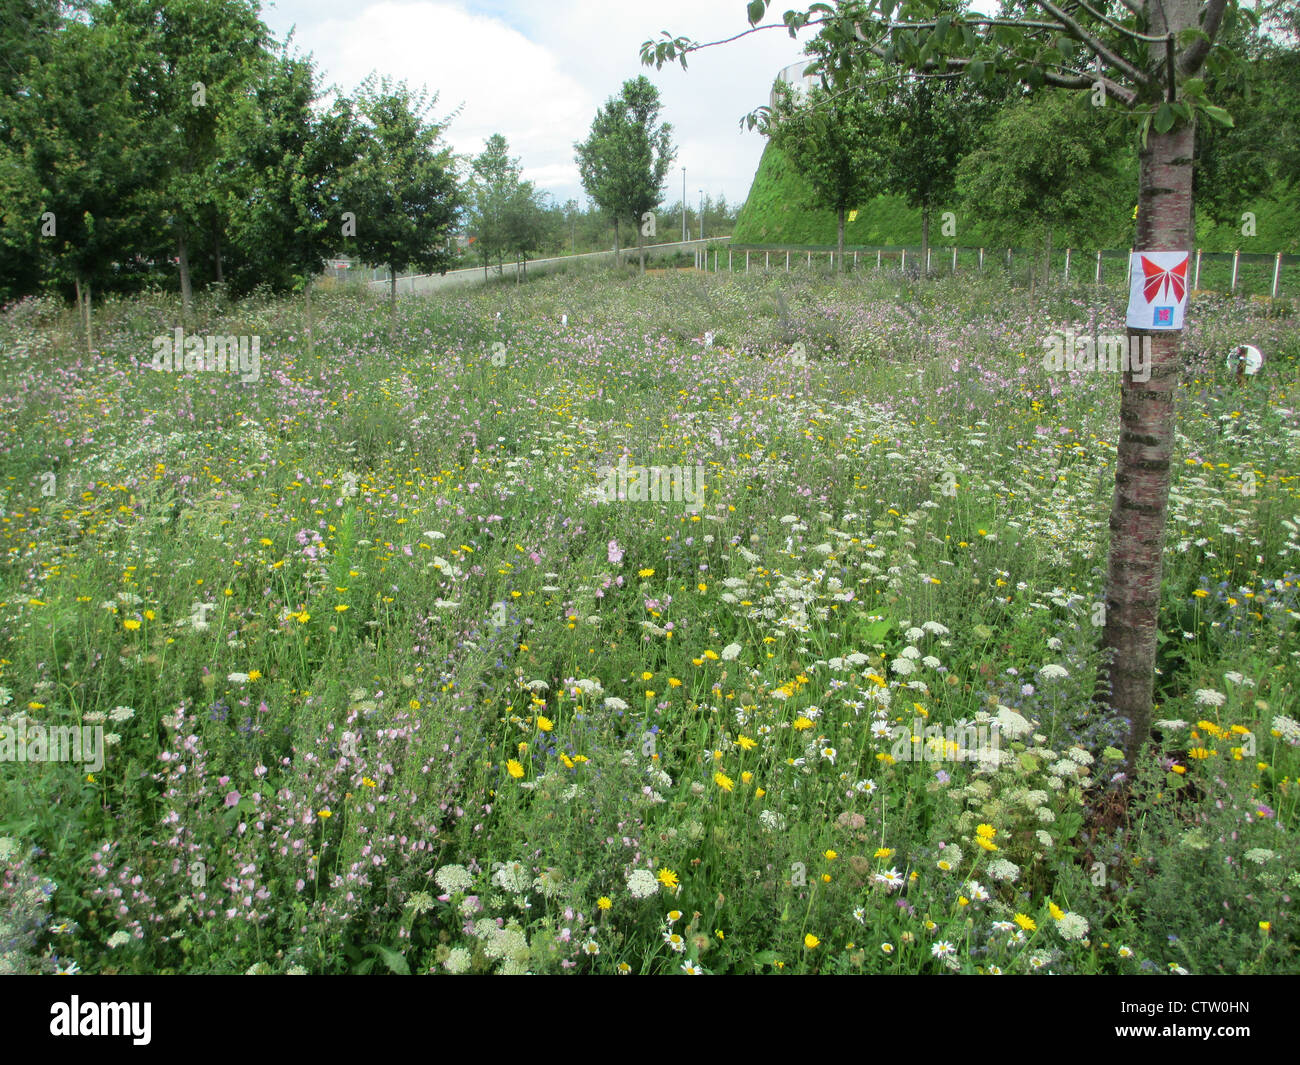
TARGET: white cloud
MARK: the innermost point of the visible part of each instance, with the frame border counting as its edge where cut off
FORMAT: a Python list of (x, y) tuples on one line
[(537, 72)]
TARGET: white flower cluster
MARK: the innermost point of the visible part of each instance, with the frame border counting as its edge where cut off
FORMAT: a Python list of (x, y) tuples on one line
[(641, 883), (453, 879)]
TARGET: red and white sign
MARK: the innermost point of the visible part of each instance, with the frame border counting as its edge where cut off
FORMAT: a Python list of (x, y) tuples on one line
[(1157, 295)]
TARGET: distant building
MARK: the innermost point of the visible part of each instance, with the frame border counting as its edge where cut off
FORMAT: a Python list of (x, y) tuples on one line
[(795, 75)]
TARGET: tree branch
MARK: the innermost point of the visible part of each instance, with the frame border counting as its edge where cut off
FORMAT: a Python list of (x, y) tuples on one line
[(1192, 58), (1117, 27), (1081, 35)]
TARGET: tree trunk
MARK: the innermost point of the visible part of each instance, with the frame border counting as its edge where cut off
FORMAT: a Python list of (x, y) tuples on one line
[(1137, 521), (925, 237), (839, 240), (187, 291), (1047, 264)]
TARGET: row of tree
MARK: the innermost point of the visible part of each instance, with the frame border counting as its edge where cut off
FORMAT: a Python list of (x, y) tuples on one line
[(175, 143), (1029, 166)]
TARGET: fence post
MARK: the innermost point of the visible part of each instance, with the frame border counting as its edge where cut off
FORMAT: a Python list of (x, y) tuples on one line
[(728, 260), (1277, 273), (954, 258), (877, 259), (787, 260), (831, 260), (1128, 277), (1196, 284), (902, 263), (746, 262), (810, 258), (1097, 279), (855, 262), (928, 250), (1235, 256), (1067, 266), (767, 260), (1010, 259), (981, 260)]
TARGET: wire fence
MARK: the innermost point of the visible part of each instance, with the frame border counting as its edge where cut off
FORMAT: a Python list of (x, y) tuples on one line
[(1247, 273)]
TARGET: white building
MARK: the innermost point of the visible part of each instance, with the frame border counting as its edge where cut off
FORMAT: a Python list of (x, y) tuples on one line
[(795, 75)]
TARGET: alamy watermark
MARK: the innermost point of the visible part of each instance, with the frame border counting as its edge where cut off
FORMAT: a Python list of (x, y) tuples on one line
[(1111, 352), (938, 743), (56, 743), (653, 484), (220, 353)]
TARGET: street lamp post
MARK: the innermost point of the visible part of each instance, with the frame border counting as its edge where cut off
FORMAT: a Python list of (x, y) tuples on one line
[(683, 205)]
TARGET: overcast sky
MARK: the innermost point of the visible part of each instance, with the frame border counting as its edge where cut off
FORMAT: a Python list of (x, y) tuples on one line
[(536, 72)]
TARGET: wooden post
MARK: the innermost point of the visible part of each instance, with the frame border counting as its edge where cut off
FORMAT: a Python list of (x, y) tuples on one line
[(746, 262), (831, 260), (1098, 277), (1196, 284), (902, 262), (810, 258), (855, 262), (928, 252), (767, 260), (1009, 259), (1128, 277), (1277, 273), (787, 260), (728, 260), (954, 258), (1235, 256), (1067, 266), (981, 260), (877, 260)]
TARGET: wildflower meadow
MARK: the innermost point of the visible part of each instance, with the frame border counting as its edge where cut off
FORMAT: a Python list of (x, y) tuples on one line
[(687, 623)]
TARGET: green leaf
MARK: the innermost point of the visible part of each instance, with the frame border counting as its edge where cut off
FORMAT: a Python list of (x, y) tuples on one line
[(1113, 754), (1164, 120), (1218, 114), (395, 962), (757, 8)]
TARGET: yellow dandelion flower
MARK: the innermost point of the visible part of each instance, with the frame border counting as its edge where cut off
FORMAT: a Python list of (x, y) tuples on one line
[(130, 624), (811, 941), (645, 573), (604, 903), (545, 723), (667, 877), (515, 768), (723, 781), (985, 831), (1025, 922), (884, 852), (745, 743), (1057, 913), (801, 723)]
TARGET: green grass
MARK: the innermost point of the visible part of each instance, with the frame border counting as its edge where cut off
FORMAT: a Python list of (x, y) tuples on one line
[(383, 668)]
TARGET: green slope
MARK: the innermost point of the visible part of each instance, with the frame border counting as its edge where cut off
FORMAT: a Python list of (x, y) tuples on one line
[(777, 212)]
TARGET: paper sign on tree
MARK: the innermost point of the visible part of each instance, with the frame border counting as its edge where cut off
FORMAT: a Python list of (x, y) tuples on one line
[(1157, 295)]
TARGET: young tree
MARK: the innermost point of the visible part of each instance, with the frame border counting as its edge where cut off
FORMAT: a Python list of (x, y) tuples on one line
[(1046, 165), (494, 175), (625, 159), (280, 189), (930, 125), (833, 140), (403, 191), (79, 163), (197, 58), (1148, 57)]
